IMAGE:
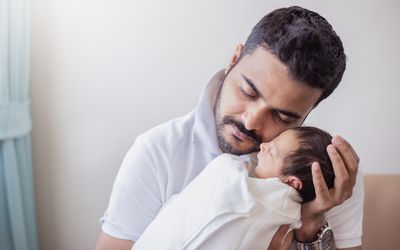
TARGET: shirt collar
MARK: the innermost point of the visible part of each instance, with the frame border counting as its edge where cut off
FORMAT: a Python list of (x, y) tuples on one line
[(204, 132)]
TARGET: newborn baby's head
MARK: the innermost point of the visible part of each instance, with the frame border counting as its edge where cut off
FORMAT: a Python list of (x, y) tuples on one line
[(290, 156)]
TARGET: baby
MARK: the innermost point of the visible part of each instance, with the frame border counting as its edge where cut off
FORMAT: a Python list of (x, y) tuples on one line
[(225, 207), (290, 156)]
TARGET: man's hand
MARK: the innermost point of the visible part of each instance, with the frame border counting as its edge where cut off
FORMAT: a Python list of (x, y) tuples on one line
[(345, 165)]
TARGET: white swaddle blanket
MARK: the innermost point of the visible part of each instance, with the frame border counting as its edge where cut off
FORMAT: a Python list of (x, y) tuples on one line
[(223, 208)]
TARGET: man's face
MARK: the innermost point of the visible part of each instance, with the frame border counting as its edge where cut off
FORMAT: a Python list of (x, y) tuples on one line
[(259, 100)]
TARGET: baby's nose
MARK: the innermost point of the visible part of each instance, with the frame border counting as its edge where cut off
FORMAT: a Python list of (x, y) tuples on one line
[(263, 146)]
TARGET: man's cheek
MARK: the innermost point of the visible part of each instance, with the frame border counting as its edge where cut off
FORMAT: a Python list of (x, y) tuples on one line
[(234, 107)]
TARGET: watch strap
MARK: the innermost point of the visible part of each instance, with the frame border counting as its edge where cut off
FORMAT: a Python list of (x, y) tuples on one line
[(315, 245)]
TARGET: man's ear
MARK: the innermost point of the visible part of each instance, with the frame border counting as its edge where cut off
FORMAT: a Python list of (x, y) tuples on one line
[(235, 57), (293, 181)]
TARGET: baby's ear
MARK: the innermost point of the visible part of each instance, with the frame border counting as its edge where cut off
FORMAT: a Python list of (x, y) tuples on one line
[(293, 181)]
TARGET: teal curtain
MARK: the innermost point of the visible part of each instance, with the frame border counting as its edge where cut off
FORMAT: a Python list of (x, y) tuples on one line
[(17, 204)]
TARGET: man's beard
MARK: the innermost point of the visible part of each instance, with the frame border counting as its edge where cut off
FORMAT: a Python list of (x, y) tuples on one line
[(227, 120)]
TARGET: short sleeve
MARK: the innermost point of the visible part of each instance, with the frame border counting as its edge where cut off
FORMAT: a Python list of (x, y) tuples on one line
[(346, 219), (136, 195)]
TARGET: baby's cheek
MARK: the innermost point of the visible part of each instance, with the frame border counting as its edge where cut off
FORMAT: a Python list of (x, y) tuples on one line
[(261, 171)]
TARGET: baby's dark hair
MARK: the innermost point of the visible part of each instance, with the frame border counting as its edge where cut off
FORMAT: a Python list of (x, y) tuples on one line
[(312, 148)]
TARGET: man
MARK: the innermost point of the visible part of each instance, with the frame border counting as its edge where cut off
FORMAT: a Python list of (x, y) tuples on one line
[(291, 61)]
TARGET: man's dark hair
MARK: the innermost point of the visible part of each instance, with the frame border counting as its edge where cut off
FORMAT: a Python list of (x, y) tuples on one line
[(305, 42), (312, 148)]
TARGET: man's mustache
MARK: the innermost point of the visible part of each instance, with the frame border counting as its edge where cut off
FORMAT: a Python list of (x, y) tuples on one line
[(229, 120)]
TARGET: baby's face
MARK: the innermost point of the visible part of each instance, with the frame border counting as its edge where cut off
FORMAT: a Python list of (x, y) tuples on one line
[(272, 154)]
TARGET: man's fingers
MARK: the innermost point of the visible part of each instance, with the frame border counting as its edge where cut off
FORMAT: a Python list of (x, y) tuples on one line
[(338, 165), (340, 188), (321, 189), (339, 139), (348, 157)]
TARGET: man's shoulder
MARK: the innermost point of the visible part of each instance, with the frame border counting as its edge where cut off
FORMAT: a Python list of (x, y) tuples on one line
[(159, 145), (170, 131)]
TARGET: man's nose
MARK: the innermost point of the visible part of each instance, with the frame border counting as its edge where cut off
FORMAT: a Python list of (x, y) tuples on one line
[(252, 119)]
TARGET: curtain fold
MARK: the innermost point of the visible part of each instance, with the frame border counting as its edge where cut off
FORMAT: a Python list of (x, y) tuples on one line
[(17, 203)]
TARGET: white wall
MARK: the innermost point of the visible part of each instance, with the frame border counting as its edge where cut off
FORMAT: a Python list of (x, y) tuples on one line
[(105, 71)]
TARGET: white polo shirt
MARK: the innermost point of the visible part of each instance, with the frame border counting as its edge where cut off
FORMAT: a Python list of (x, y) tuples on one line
[(163, 160)]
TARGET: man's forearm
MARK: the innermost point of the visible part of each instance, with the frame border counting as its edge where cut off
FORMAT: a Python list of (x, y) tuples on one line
[(309, 233)]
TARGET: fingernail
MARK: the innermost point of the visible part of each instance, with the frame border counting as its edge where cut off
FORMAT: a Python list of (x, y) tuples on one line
[(331, 148), (337, 139)]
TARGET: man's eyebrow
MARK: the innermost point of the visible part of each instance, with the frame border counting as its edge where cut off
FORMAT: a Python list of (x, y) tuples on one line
[(252, 85), (254, 88)]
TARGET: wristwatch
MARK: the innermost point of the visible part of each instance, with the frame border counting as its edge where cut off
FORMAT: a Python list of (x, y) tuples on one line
[(325, 240)]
